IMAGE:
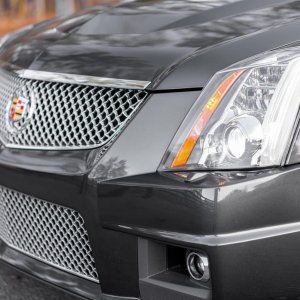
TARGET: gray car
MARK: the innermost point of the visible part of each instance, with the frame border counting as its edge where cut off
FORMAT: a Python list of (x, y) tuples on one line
[(151, 150)]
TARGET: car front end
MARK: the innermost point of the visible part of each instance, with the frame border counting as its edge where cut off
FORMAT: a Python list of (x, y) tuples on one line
[(152, 151)]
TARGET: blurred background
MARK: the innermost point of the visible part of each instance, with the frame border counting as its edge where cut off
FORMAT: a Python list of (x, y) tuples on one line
[(18, 13)]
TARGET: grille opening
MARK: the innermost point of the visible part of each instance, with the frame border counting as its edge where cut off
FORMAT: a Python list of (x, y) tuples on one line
[(48, 232), (66, 115)]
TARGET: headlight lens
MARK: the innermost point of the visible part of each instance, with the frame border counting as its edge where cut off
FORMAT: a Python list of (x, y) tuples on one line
[(244, 118)]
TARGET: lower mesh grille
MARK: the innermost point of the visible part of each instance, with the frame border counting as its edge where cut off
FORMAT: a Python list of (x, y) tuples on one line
[(48, 232)]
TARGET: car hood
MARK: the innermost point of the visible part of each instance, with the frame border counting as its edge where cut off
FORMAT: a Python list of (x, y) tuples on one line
[(173, 44)]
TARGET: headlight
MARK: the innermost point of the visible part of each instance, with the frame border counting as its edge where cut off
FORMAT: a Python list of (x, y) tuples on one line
[(244, 118)]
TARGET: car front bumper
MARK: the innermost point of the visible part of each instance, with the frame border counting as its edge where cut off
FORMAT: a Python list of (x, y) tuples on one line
[(247, 223), (141, 222)]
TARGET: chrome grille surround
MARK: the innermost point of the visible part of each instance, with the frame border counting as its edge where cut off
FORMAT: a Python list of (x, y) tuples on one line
[(48, 232), (66, 116)]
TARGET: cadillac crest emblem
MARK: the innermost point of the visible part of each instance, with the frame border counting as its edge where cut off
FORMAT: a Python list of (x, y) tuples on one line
[(19, 111)]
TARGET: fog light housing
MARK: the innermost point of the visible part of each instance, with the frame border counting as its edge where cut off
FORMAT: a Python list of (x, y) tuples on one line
[(198, 266)]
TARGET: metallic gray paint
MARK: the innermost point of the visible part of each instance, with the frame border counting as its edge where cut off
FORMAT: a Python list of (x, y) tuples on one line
[(249, 220), (172, 56)]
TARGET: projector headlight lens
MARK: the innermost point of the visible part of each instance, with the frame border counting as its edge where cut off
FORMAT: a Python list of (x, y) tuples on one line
[(236, 142)]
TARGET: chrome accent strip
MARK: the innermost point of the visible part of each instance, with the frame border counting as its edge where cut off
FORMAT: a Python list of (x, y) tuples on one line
[(51, 148), (83, 79)]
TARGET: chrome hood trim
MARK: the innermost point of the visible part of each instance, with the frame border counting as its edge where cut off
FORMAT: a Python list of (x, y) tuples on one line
[(83, 79)]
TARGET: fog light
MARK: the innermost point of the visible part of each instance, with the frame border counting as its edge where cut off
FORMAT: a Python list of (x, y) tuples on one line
[(198, 266)]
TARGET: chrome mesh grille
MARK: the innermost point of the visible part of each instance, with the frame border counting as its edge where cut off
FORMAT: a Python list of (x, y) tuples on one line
[(66, 115), (48, 232)]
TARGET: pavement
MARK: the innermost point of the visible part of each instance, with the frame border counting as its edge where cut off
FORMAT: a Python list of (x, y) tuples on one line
[(18, 286)]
